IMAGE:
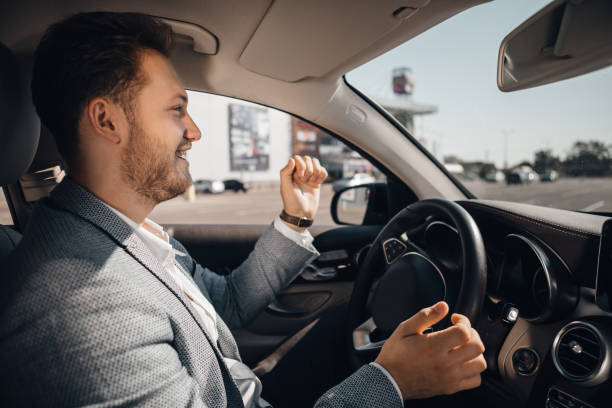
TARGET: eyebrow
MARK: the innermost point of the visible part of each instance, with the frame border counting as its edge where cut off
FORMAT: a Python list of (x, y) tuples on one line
[(181, 96)]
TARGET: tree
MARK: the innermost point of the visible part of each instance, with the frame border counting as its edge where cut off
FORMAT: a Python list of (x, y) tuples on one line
[(526, 163), (591, 159), (545, 160)]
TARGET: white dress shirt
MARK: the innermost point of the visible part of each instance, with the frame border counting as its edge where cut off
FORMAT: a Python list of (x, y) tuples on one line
[(158, 242)]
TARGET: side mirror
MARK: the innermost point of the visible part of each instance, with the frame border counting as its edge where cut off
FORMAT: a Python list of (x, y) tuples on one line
[(365, 204)]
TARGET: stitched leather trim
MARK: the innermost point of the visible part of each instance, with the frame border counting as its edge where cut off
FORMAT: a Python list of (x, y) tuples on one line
[(536, 221)]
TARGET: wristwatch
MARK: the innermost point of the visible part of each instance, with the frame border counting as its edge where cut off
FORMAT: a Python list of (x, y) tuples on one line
[(301, 222)]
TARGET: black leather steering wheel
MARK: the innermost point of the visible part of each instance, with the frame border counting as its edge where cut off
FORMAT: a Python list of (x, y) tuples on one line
[(412, 279)]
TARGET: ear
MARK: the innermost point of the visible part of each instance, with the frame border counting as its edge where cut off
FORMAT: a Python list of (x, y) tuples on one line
[(104, 118)]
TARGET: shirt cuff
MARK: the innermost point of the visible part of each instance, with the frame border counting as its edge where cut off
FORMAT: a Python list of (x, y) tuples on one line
[(385, 372), (303, 239)]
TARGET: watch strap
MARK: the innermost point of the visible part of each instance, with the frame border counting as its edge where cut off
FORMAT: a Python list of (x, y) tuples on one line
[(301, 222)]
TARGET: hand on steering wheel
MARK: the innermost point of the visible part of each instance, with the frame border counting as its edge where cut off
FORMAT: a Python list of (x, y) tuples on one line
[(442, 362), (412, 281)]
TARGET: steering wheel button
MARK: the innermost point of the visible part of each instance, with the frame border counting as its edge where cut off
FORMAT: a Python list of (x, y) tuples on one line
[(392, 249)]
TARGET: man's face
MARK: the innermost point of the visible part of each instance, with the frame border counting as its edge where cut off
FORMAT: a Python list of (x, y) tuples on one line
[(153, 161)]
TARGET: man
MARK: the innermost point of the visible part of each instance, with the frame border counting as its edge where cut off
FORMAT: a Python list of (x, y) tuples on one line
[(101, 307)]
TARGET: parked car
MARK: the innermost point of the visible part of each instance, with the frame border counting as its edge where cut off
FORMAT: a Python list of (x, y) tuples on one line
[(520, 177), (235, 185), (355, 180), (209, 186), (468, 176), (549, 176), (494, 176), (514, 178)]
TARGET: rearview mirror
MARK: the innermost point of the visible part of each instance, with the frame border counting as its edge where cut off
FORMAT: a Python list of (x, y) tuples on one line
[(365, 204), (565, 39)]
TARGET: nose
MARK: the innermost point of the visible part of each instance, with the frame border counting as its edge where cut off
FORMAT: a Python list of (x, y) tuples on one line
[(192, 132)]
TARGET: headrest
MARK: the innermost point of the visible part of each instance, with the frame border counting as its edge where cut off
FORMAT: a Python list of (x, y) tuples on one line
[(19, 124), (47, 154)]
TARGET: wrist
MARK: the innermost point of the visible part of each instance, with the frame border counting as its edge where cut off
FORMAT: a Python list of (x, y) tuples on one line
[(294, 220), (402, 391), (294, 227), (299, 213)]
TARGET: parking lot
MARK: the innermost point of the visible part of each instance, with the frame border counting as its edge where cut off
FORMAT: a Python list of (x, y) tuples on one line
[(584, 194), (257, 206), (260, 206)]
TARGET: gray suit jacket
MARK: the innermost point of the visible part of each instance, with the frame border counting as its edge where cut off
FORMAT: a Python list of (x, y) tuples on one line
[(88, 317)]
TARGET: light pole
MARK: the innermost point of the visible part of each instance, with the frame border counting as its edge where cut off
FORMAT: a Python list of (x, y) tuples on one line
[(506, 133)]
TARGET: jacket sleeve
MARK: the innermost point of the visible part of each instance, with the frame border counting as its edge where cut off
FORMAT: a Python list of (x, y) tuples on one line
[(240, 296), (367, 387)]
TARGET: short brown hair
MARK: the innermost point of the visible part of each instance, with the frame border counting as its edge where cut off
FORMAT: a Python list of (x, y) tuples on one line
[(89, 55)]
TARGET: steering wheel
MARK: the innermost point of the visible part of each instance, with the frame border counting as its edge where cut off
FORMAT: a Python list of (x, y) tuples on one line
[(412, 279)]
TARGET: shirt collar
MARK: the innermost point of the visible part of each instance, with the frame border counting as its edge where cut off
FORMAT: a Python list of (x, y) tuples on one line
[(158, 244)]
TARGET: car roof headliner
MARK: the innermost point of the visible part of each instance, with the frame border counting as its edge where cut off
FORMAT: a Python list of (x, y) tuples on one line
[(288, 54)]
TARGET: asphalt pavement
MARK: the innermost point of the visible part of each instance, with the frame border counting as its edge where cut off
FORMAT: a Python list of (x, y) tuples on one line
[(583, 194)]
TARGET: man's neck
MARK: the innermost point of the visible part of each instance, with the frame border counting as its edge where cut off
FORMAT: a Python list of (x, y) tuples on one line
[(117, 194)]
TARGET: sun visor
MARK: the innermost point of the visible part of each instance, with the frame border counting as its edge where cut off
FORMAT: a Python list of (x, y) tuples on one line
[(299, 39)]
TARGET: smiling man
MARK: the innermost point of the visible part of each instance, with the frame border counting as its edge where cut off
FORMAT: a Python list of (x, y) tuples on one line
[(102, 307)]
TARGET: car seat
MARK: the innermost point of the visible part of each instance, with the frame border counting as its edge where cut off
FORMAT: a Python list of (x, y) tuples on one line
[(19, 134)]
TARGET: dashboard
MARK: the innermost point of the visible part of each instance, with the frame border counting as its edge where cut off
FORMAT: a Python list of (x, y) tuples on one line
[(547, 317)]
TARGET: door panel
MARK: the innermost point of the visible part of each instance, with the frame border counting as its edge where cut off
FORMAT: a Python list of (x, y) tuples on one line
[(270, 329), (220, 247), (325, 283)]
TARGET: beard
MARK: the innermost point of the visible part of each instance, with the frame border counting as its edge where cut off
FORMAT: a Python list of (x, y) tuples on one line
[(150, 170)]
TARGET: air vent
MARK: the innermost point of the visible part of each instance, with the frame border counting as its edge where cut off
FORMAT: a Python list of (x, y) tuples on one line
[(579, 352)]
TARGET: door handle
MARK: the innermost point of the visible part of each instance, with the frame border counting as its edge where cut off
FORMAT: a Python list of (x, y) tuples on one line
[(279, 309), (314, 273)]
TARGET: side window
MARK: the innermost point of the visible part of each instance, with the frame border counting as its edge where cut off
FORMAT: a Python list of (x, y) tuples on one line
[(5, 214), (235, 166)]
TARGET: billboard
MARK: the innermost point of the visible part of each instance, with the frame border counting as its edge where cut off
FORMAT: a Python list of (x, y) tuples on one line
[(305, 138), (249, 133), (403, 81)]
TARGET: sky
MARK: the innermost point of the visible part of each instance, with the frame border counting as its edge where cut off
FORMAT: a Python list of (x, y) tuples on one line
[(454, 66)]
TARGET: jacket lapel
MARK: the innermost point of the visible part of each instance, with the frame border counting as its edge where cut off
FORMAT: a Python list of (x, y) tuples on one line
[(76, 199), (226, 343), (79, 201)]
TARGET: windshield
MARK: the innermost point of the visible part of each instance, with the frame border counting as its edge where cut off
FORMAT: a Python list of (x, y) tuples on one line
[(550, 145)]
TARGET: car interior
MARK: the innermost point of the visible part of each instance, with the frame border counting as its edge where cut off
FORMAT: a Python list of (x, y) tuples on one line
[(535, 281)]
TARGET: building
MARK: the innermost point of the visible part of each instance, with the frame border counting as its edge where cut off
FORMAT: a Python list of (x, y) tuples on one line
[(400, 103), (242, 140)]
